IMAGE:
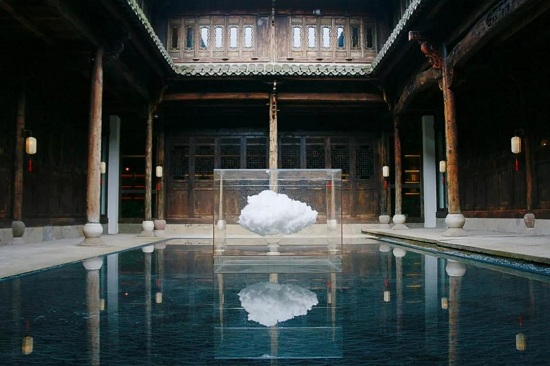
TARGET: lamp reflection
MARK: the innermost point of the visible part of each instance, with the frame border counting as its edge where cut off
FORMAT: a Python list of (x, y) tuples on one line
[(386, 267), (455, 270), (160, 271), (92, 267)]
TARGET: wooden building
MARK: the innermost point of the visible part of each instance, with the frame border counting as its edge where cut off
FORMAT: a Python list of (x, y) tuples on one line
[(196, 85)]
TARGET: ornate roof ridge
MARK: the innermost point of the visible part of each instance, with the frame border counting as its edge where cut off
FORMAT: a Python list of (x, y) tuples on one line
[(272, 68), (142, 18), (400, 31)]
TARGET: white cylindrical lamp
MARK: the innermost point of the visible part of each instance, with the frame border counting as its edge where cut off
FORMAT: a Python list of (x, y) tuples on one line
[(385, 171), (516, 144), (30, 145), (442, 166), (158, 171)]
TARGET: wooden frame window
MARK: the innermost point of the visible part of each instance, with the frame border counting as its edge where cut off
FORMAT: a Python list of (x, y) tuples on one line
[(233, 37), (190, 38), (297, 37), (326, 37), (248, 36), (312, 36), (204, 32), (174, 37), (218, 37)]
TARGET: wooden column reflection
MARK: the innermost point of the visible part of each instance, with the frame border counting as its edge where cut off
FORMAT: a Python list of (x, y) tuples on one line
[(399, 253), (92, 300), (455, 271), (147, 251)]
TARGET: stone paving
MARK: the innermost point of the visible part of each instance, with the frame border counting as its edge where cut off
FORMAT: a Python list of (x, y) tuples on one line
[(22, 259), (532, 248)]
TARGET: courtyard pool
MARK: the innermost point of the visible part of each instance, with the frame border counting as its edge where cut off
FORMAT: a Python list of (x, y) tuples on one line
[(389, 305)]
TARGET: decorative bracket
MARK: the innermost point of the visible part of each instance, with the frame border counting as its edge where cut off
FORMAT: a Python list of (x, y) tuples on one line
[(427, 48)]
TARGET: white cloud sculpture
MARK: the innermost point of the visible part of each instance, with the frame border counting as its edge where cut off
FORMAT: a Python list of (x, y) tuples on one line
[(269, 303), (271, 213)]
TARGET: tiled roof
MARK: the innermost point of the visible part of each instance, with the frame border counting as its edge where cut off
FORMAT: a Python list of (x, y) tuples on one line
[(273, 69), (141, 18), (401, 30)]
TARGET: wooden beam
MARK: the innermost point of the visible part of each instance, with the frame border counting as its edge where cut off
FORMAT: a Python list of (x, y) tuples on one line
[(420, 82), (489, 26), (287, 97), (25, 22), (331, 97), (88, 34), (215, 96)]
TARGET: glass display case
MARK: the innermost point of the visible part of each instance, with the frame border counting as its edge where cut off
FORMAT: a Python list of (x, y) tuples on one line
[(276, 216)]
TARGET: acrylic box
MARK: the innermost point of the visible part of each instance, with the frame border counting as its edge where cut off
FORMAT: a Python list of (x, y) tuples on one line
[(277, 212)]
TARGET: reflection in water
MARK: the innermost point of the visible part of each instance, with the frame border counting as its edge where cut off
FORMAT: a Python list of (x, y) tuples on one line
[(199, 319), (147, 252), (92, 299), (269, 303), (399, 253), (456, 271)]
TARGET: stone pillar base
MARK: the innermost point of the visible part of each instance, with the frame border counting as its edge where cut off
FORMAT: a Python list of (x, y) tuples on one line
[(160, 226), (455, 225), (529, 220), (399, 222), (17, 232), (148, 227), (384, 221), (92, 235)]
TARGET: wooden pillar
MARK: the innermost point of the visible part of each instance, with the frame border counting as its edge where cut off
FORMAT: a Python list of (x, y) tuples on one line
[(149, 226), (149, 165), (93, 229), (160, 161), (19, 157), (94, 141), (273, 137), (18, 226), (454, 220), (398, 219)]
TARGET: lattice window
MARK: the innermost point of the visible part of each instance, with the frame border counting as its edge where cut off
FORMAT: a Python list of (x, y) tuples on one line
[(248, 34), (340, 37), (179, 162), (204, 37), (190, 38), (312, 36), (315, 154), (230, 154), (340, 156), (325, 37), (174, 37), (364, 161), (256, 154), (233, 37), (290, 153), (204, 161), (297, 37), (218, 37), (355, 37)]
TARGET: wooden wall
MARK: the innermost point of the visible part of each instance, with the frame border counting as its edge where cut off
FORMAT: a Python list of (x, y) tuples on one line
[(191, 158)]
